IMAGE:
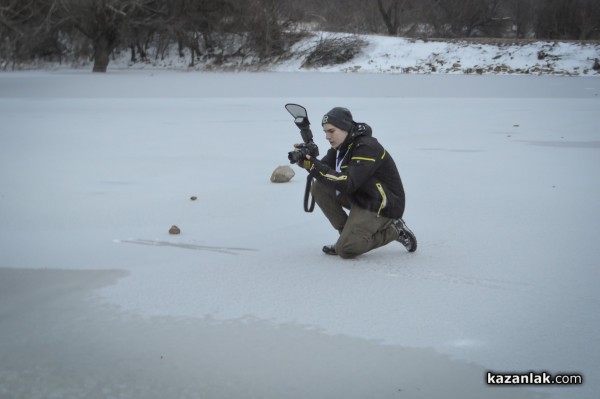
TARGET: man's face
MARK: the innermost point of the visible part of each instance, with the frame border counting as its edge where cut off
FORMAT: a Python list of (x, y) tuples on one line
[(334, 135)]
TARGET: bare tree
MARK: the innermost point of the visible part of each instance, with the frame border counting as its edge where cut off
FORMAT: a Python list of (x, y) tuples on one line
[(260, 20), (588, 17), (28, 29), (104, 21), (464, 18), (390, 13), (197, 24), (521, 13), (568, 19)]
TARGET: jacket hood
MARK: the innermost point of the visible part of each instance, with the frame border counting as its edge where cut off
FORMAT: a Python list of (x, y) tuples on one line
[(358, 129), (361, 129)]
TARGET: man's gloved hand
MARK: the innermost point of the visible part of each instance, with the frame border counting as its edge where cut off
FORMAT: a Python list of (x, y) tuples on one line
[(303, 162)]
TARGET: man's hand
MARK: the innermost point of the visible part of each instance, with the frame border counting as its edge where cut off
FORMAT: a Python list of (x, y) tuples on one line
[(302, 162)]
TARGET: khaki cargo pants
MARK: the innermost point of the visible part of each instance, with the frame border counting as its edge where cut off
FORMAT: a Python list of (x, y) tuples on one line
[(360, 230)]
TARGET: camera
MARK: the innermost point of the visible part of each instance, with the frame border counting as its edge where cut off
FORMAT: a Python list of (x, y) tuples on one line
[(301, 151)]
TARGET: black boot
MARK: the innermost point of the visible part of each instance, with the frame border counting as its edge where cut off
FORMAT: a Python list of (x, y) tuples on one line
[(405, 236), (329, 249)]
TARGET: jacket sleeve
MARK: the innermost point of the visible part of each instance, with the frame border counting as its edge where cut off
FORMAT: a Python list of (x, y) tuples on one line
[(364, 161)]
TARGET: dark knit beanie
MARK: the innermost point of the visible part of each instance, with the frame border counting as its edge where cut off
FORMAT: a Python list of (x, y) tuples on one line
[(340, 118)]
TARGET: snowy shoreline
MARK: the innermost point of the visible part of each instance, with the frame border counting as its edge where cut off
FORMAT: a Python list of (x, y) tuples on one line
[(388, 55)]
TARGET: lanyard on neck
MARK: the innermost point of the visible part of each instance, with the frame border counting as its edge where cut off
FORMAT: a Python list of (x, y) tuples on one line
[(338, 160)]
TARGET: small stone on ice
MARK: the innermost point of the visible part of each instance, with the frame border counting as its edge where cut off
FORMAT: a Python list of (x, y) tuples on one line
[(282, 174)]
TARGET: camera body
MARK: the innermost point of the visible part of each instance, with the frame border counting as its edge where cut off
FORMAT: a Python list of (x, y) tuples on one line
[(302, 150)]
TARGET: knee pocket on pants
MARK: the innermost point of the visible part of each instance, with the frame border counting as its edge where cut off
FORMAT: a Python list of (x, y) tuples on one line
[(355, 243)]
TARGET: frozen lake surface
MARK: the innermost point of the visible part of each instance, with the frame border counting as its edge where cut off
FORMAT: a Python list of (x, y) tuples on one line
[(98, 300)]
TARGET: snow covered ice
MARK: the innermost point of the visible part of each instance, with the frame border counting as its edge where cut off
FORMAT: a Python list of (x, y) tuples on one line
[(98, 300)]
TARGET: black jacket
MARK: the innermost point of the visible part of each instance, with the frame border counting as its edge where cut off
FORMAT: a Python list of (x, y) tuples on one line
[(369, 176)]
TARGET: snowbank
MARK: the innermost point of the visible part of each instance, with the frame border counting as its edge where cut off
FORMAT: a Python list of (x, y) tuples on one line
[(383, 54)]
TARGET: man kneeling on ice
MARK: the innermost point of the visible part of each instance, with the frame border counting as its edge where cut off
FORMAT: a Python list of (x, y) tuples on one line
[(359, 175)]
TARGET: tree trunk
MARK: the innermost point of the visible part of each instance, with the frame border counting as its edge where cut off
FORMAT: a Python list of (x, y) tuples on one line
[(103, 46), (101, 55), (390, 16)]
